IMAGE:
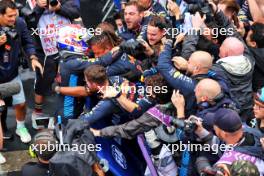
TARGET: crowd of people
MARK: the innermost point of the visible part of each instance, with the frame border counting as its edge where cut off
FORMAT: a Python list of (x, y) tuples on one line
[(190, 70)]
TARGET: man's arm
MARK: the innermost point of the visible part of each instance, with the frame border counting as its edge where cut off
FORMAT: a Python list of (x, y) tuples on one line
[(78, 91), (26, 39), (119, 97), (176, 79), (127, 104), (191, 40), (136, 109), (103, 109), (69, 9), (132, 128), (255, 9), (189, 45)]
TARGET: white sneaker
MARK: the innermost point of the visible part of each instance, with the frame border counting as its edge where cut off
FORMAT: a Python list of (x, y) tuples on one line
[(2, 159), (23, 134)]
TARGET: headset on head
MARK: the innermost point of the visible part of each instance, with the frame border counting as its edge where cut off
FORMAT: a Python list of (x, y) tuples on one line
[(45, 134)]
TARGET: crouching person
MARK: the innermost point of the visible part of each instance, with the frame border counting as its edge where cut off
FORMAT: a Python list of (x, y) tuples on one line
[(39, 149)]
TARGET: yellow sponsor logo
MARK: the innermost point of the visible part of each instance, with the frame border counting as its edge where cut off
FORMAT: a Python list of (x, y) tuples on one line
[(176, 74)]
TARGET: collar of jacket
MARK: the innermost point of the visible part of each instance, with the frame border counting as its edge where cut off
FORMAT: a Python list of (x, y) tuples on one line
[(200, 77)]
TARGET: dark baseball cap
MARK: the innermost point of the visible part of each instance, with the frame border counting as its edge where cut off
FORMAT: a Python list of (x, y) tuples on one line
[(227, 120)]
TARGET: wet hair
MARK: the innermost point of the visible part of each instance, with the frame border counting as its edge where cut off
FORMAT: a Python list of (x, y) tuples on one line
[(96, 74), (107, 27), (157, 80), (158, 21), (135, 3), (4, 4), (105, 39), (258, 34)]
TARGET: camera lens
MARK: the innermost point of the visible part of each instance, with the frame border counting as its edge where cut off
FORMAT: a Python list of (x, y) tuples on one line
[(53, 2)]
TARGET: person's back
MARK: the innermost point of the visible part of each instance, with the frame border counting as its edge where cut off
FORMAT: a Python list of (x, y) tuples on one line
[(255, 41), (35, 169), (40, 149), (237, 69)]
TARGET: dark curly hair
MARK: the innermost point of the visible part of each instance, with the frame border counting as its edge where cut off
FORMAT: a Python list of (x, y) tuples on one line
[(159, 87)]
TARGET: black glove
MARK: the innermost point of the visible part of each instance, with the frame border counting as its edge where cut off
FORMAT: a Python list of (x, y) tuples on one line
[(132, 47), (73, 129)]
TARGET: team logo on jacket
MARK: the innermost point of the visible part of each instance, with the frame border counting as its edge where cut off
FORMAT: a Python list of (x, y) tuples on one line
[(119, 157)]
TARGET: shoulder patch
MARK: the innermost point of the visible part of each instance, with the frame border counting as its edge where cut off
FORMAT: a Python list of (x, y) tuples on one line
[(176, 74)]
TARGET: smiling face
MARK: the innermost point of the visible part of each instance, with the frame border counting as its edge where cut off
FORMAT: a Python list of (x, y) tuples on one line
[(9, 17)]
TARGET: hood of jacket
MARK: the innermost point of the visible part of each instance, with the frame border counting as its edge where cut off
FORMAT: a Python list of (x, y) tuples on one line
[(236, 65)]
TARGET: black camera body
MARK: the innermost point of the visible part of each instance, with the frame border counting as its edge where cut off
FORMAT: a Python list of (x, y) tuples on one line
[(53, 2), (189, 126), (201, 6), (10, 32), (133, 48), (204, 167)]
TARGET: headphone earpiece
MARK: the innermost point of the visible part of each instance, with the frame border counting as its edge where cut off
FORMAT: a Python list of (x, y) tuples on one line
[(31, 152), (46, 135)]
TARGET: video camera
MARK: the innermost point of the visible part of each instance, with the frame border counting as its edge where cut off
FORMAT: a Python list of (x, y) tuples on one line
[(189, 126)]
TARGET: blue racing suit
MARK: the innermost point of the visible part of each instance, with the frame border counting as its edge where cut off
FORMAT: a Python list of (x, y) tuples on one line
[(71, 72), (176, 79)]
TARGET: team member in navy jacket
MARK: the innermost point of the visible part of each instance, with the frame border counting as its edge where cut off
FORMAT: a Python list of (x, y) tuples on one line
[(48, 17), (14, 35)]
